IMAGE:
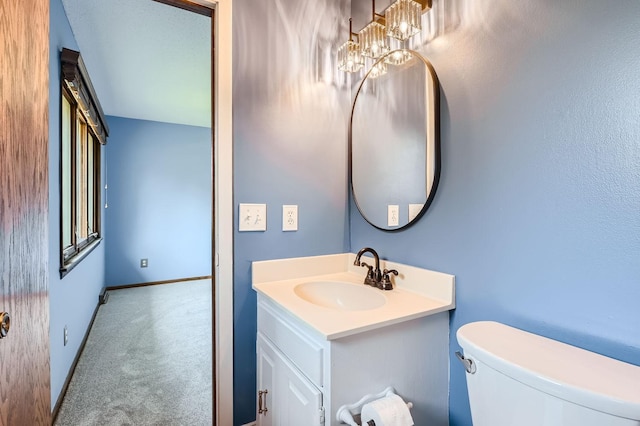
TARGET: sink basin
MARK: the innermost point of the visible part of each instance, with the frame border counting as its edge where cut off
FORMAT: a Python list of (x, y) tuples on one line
[(340, 295)]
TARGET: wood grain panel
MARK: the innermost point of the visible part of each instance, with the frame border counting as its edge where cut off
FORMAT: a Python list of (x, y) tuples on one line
[(24, 77)]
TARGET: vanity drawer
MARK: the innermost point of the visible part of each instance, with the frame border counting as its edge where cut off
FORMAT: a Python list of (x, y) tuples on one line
[(305, 353)]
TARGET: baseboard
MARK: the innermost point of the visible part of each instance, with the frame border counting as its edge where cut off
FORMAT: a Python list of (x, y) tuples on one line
[(103, 297), (74, 364), (177, 280)]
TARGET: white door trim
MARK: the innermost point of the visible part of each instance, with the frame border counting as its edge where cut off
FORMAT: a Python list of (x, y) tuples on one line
[(223, 181)]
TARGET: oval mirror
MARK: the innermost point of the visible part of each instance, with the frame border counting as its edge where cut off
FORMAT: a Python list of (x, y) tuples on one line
[(394, 140)]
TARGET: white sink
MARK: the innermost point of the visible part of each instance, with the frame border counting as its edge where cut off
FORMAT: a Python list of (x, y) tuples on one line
[(340, 295)]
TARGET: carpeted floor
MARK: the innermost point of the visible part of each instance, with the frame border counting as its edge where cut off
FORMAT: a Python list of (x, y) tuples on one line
[(147, 360)]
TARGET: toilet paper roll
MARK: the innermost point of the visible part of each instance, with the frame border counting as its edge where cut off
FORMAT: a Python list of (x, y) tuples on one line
[(388, 411)]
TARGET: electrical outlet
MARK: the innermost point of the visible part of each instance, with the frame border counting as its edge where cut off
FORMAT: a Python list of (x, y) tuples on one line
[(144, 263), (66, 335), (289, 218), (393, 215), (252, 217)]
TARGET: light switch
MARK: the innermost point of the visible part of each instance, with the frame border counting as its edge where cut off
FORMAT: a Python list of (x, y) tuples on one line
[(252, 217)]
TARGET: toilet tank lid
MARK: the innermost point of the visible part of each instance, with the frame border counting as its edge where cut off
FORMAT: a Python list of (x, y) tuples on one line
[(556, 368)]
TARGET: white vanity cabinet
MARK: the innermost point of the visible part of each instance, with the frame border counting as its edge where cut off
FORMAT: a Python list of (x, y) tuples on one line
[(319, 347), (307, 377)]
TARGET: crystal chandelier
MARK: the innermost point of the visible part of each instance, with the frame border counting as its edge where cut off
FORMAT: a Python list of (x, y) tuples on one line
[(401, 20)]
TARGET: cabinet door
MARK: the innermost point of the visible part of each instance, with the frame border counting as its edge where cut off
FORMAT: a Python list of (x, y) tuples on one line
[(291, 399), (302, 404), (266, 375)]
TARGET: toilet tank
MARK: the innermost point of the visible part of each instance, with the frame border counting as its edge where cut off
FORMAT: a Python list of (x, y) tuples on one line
[(528, 380)]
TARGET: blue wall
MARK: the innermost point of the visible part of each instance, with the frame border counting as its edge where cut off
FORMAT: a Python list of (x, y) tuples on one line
[(290, 124), (538, 209), (159, 178), (73, 299)]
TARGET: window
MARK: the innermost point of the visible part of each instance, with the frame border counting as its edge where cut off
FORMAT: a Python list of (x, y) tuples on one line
[(82, 131)]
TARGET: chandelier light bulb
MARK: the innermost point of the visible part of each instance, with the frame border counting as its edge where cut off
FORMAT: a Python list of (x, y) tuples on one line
[(403, 27), (403, 19), (398, 57), (349, 57), (378, 69), (373, 40)]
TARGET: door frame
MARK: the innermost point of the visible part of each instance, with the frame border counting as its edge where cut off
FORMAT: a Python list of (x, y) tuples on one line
[(222, 208), (222, 99)]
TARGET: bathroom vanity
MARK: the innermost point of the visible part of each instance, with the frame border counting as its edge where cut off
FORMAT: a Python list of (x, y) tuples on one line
[(325, 339)]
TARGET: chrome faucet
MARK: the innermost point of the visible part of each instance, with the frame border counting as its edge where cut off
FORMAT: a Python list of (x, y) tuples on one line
[(375, 277)]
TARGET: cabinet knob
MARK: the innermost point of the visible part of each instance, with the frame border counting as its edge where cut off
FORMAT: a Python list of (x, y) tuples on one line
[(5, 324)]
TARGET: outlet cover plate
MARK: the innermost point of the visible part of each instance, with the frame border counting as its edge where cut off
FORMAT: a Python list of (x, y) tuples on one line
[(252, 217), (393, 215), (289, 218)]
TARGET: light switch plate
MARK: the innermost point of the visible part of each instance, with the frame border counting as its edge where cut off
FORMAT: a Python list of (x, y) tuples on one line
[(252, 217), (393, 215), (289, 218), (414, 210)]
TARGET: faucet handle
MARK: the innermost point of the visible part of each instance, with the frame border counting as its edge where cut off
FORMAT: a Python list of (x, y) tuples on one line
[(369, 279), (386, 284)]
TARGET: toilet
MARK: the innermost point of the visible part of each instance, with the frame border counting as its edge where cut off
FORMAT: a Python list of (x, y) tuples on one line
[(519, 378)]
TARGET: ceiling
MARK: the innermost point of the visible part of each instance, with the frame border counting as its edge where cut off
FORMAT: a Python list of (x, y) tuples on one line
[(146, 60)]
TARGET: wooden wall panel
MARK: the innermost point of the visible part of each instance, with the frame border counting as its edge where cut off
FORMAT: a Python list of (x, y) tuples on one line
[(24, 78)]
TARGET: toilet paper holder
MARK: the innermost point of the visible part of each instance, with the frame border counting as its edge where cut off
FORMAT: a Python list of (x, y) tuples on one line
[(347, 413)]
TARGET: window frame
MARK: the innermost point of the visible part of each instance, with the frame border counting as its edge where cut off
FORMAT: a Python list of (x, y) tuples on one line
[(86, 131)]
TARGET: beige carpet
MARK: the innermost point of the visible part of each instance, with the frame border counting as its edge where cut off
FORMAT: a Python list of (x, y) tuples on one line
[(147, 360)]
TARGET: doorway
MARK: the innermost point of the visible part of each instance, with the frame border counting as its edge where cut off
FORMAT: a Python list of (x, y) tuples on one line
[(222, 215)]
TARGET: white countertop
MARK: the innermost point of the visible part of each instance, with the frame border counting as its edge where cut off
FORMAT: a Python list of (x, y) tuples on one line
[(417, 292)]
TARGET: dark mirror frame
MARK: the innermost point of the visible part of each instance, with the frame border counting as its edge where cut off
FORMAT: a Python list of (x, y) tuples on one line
[(436, 143)]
